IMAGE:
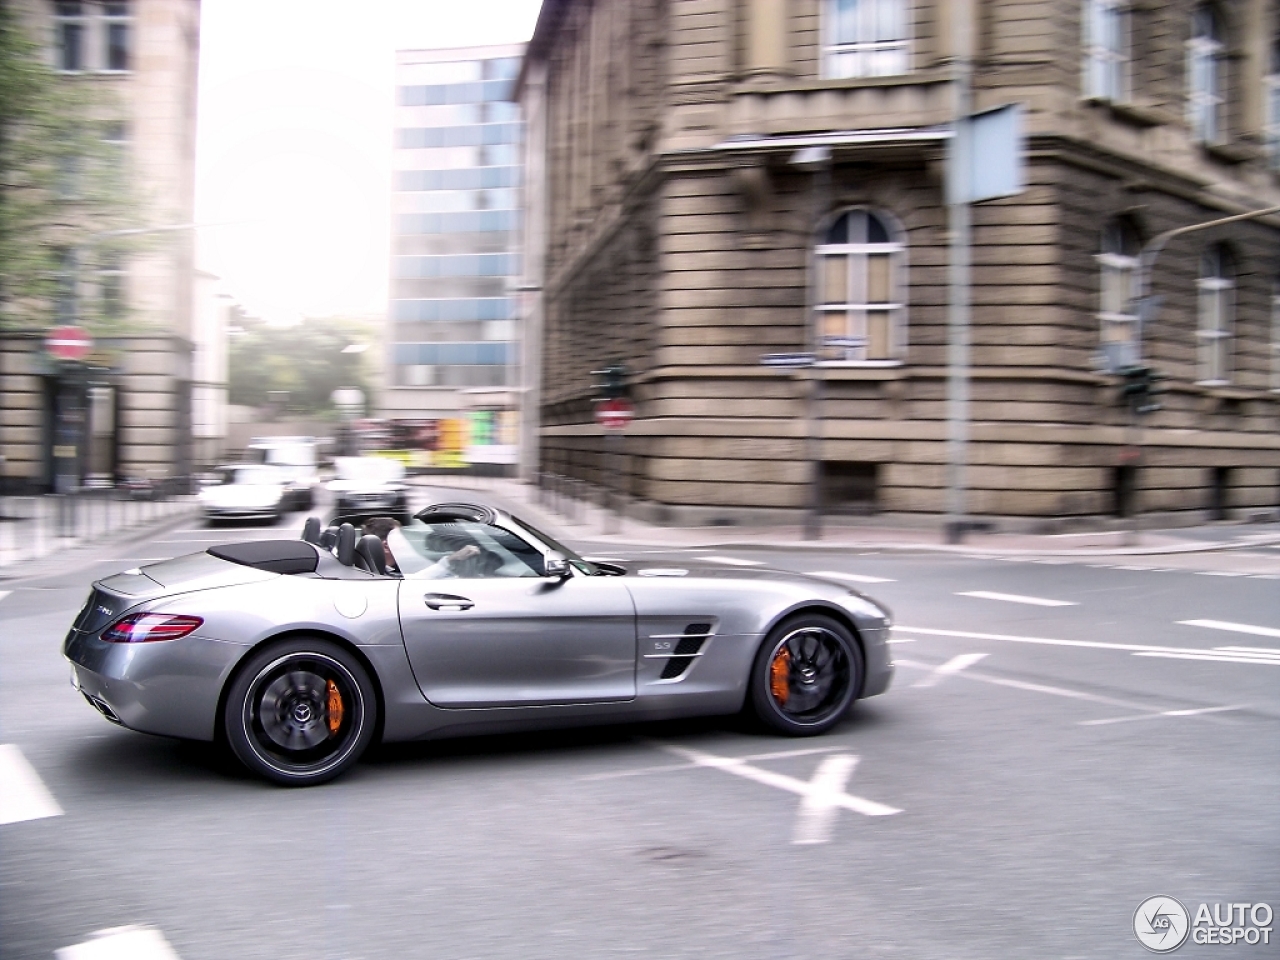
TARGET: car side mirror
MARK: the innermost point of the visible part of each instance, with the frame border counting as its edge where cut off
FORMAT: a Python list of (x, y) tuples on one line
[(555, 565)]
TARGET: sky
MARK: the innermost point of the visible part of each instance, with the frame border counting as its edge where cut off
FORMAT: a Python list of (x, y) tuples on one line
[(293, 144)]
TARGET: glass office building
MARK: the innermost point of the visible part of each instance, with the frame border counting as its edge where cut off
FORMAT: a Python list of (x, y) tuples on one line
[(452, 343)]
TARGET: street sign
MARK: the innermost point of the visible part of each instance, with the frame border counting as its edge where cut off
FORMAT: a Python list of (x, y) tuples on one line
[(615, 414), (787, 359), (68, 343)]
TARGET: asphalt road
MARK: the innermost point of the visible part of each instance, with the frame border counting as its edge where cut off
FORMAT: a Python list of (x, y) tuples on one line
[(1036, 772)]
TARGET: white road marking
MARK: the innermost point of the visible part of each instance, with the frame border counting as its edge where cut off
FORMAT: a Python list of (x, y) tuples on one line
[(1264, 576), (954, 665), (1016, 598), (4, 593), (901, 640), (780, 781), (668, 767), (819, 807), (1138, 649), (134, 560), (1233, 627), (1032, 687), (121, 943), (734, 561), (1265, 651), (1219, 573), (852, 577), (1163, 713), (23, 795), (1218, 657)]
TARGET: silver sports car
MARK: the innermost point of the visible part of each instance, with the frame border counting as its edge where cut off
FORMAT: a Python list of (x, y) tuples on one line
[(300, 653)]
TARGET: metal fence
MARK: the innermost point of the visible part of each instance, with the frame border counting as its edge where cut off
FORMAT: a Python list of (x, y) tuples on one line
[(34, 526)]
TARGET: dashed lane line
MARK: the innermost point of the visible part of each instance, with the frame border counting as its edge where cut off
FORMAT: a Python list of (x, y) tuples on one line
[(136, 942), (733, 561), (1016, 598), (851, 577), (23, 795), (1233, 627)]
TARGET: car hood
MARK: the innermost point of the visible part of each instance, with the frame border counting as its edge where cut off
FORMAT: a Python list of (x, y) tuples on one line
[(195, 571)]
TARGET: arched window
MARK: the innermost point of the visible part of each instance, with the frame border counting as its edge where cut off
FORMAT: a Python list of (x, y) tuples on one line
[(1206, 75), (1217, 287), (865, 38), (1106, 50), (1118, 265), (862, 289)]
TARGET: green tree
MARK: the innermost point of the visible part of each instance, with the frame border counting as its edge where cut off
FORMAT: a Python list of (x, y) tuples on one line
[(64, 187), (306, 363)]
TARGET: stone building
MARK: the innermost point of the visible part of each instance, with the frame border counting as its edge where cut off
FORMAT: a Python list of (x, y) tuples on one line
[(672, 229), (125, 410)]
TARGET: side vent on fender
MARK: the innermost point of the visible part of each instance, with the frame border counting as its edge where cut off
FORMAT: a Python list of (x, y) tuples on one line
[(687, 650)]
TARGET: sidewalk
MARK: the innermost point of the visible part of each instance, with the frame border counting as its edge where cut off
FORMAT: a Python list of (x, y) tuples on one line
[(579, 520)]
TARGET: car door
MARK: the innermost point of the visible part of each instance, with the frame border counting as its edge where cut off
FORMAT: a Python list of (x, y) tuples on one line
[(520, 641)]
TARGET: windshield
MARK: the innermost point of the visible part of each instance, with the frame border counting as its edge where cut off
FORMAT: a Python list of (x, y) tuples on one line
[(249, 474), (583, 566)]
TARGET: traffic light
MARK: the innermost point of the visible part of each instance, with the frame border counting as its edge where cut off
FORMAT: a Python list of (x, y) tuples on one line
[(1139, 388), (612, 383)]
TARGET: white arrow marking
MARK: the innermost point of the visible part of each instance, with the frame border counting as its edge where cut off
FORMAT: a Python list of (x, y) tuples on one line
[(954, 665), (23, 795), (739, 768), (121, 943)]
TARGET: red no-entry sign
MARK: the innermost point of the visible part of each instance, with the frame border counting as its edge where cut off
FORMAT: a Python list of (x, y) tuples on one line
[(68, 343), (614, 414)]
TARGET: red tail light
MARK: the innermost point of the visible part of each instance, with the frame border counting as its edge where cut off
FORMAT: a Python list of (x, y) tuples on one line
[(148, 627)]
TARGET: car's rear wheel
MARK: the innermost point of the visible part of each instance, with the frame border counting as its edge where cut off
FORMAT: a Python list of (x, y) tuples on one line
[(806, 675), (300, 712)]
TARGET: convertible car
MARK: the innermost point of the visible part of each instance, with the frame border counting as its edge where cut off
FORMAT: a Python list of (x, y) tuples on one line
[(299, 654)]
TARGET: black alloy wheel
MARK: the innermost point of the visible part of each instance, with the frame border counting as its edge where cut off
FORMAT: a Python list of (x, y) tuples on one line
[(806, 675), (300, 712)]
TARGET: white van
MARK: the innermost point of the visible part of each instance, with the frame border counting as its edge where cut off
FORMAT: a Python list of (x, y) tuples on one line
[(298, 458)]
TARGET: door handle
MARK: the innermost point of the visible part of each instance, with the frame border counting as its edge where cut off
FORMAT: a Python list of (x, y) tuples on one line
[(445, 601)]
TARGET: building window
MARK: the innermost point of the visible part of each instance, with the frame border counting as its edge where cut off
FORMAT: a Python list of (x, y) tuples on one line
[(115, 34), (862, 282), (1118, 266), (111, 278), (69, 29), (92, 35), (1106, 50), (1272, 126), (1206, 81), (65, 303), (866, 38), (1275, 337), (1217, 289)]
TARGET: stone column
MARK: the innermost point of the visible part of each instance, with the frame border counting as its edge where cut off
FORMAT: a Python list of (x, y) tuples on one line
[(1255, 54), (766, 48)]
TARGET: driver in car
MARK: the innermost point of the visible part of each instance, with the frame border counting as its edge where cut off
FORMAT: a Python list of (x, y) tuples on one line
[(469, 561)]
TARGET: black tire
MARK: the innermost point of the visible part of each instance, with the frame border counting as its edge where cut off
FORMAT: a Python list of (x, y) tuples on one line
[(806, 675), (279, 718)]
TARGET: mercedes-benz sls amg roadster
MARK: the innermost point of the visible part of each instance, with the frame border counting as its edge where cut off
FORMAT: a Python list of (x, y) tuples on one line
[(299, 654)]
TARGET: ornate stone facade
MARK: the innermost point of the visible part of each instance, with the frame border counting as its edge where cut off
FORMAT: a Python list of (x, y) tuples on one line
[(671, 230)]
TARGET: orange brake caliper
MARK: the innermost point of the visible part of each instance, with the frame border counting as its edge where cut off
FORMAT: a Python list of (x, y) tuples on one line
[(780, 676), (335, 708)]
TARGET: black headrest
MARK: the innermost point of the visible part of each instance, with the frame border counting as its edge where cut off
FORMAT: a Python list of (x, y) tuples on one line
[(329, 538), (276, 556), (311, 530), (371, 555), (346, 546)]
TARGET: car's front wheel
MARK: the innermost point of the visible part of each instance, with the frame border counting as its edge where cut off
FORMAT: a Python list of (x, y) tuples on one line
[(300, 712), (806, 675)]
